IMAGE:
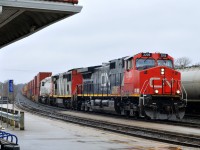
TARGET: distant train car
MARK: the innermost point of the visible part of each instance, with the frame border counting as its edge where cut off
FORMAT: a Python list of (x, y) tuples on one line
[(32, 89), (25, 90), (191, 82), (45, 90), (143, 85), (37, 82), (64, 87)]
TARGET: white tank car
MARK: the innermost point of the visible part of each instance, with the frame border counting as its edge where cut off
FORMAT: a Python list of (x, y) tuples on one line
[(191, 81), (45, 89)]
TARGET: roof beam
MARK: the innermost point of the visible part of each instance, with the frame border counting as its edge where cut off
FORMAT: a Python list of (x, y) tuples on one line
[(11, 18), (41, 5)]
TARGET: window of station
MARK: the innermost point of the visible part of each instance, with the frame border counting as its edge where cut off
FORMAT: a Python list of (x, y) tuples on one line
[(167, 63), (142, 63)]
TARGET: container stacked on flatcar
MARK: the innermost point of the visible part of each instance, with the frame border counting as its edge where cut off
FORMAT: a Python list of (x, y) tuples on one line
[(33, 87), (25, 90), (144, 85)]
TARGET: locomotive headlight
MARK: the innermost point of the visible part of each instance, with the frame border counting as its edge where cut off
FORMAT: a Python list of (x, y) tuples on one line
[(162, 71), (178, 91), (156, 91)]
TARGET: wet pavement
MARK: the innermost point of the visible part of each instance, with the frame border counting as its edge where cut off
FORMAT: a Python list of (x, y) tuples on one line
[(48, 134)]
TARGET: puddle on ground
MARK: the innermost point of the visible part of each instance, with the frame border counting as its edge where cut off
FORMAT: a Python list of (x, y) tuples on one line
[(148, 148), (91, 142), (119, 141), (54, 139), (81, 141), (77, 135)]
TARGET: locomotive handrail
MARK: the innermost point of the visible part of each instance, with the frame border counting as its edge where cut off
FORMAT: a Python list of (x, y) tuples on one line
[(143, 86), (182, 87), (144, 91)]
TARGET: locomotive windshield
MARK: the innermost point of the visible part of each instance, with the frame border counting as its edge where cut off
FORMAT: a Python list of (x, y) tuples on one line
[(167, 63), (142, 63)]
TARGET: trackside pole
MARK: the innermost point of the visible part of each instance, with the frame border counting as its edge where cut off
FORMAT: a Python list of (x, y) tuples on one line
[(21, 120), (16, 123)]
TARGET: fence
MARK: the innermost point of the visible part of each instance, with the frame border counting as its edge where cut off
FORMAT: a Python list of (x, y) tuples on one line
[(13, 118)]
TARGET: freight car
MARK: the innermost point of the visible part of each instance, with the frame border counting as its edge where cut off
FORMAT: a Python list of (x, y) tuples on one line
[(143, 85), (191, 82), (32, 89)]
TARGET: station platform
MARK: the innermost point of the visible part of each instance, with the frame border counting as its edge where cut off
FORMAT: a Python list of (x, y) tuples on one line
[(48, 134)]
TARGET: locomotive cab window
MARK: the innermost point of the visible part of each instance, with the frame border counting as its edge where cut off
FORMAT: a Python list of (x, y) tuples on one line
[(112, 65), (129, 64), (167, 63), (67, 87), (144, 63)]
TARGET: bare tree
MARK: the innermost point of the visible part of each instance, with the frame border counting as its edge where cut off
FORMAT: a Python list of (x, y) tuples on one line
[(197, 64), (182, 62)]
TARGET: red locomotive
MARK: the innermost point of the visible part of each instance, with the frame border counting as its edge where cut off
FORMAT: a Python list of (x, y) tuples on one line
[(144, 85)]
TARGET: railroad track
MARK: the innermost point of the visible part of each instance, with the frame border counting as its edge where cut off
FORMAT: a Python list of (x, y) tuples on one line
[(187, 122), (158, 135)]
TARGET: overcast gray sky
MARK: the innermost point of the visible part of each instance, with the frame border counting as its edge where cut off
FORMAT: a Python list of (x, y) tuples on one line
[(105, 30)]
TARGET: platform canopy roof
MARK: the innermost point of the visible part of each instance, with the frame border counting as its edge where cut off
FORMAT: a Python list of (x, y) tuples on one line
[(21, 18)]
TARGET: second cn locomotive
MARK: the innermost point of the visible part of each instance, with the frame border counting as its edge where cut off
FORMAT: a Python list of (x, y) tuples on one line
[(144, 85)]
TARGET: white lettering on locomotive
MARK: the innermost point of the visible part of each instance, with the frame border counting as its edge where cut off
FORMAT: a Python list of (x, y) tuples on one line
[(104, 79), (151, 82)]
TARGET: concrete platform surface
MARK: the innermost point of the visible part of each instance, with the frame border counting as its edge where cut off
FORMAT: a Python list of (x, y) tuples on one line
[(47, 134)]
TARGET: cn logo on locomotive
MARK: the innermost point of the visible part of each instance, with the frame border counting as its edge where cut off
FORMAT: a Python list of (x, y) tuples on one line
[(151, 81)]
